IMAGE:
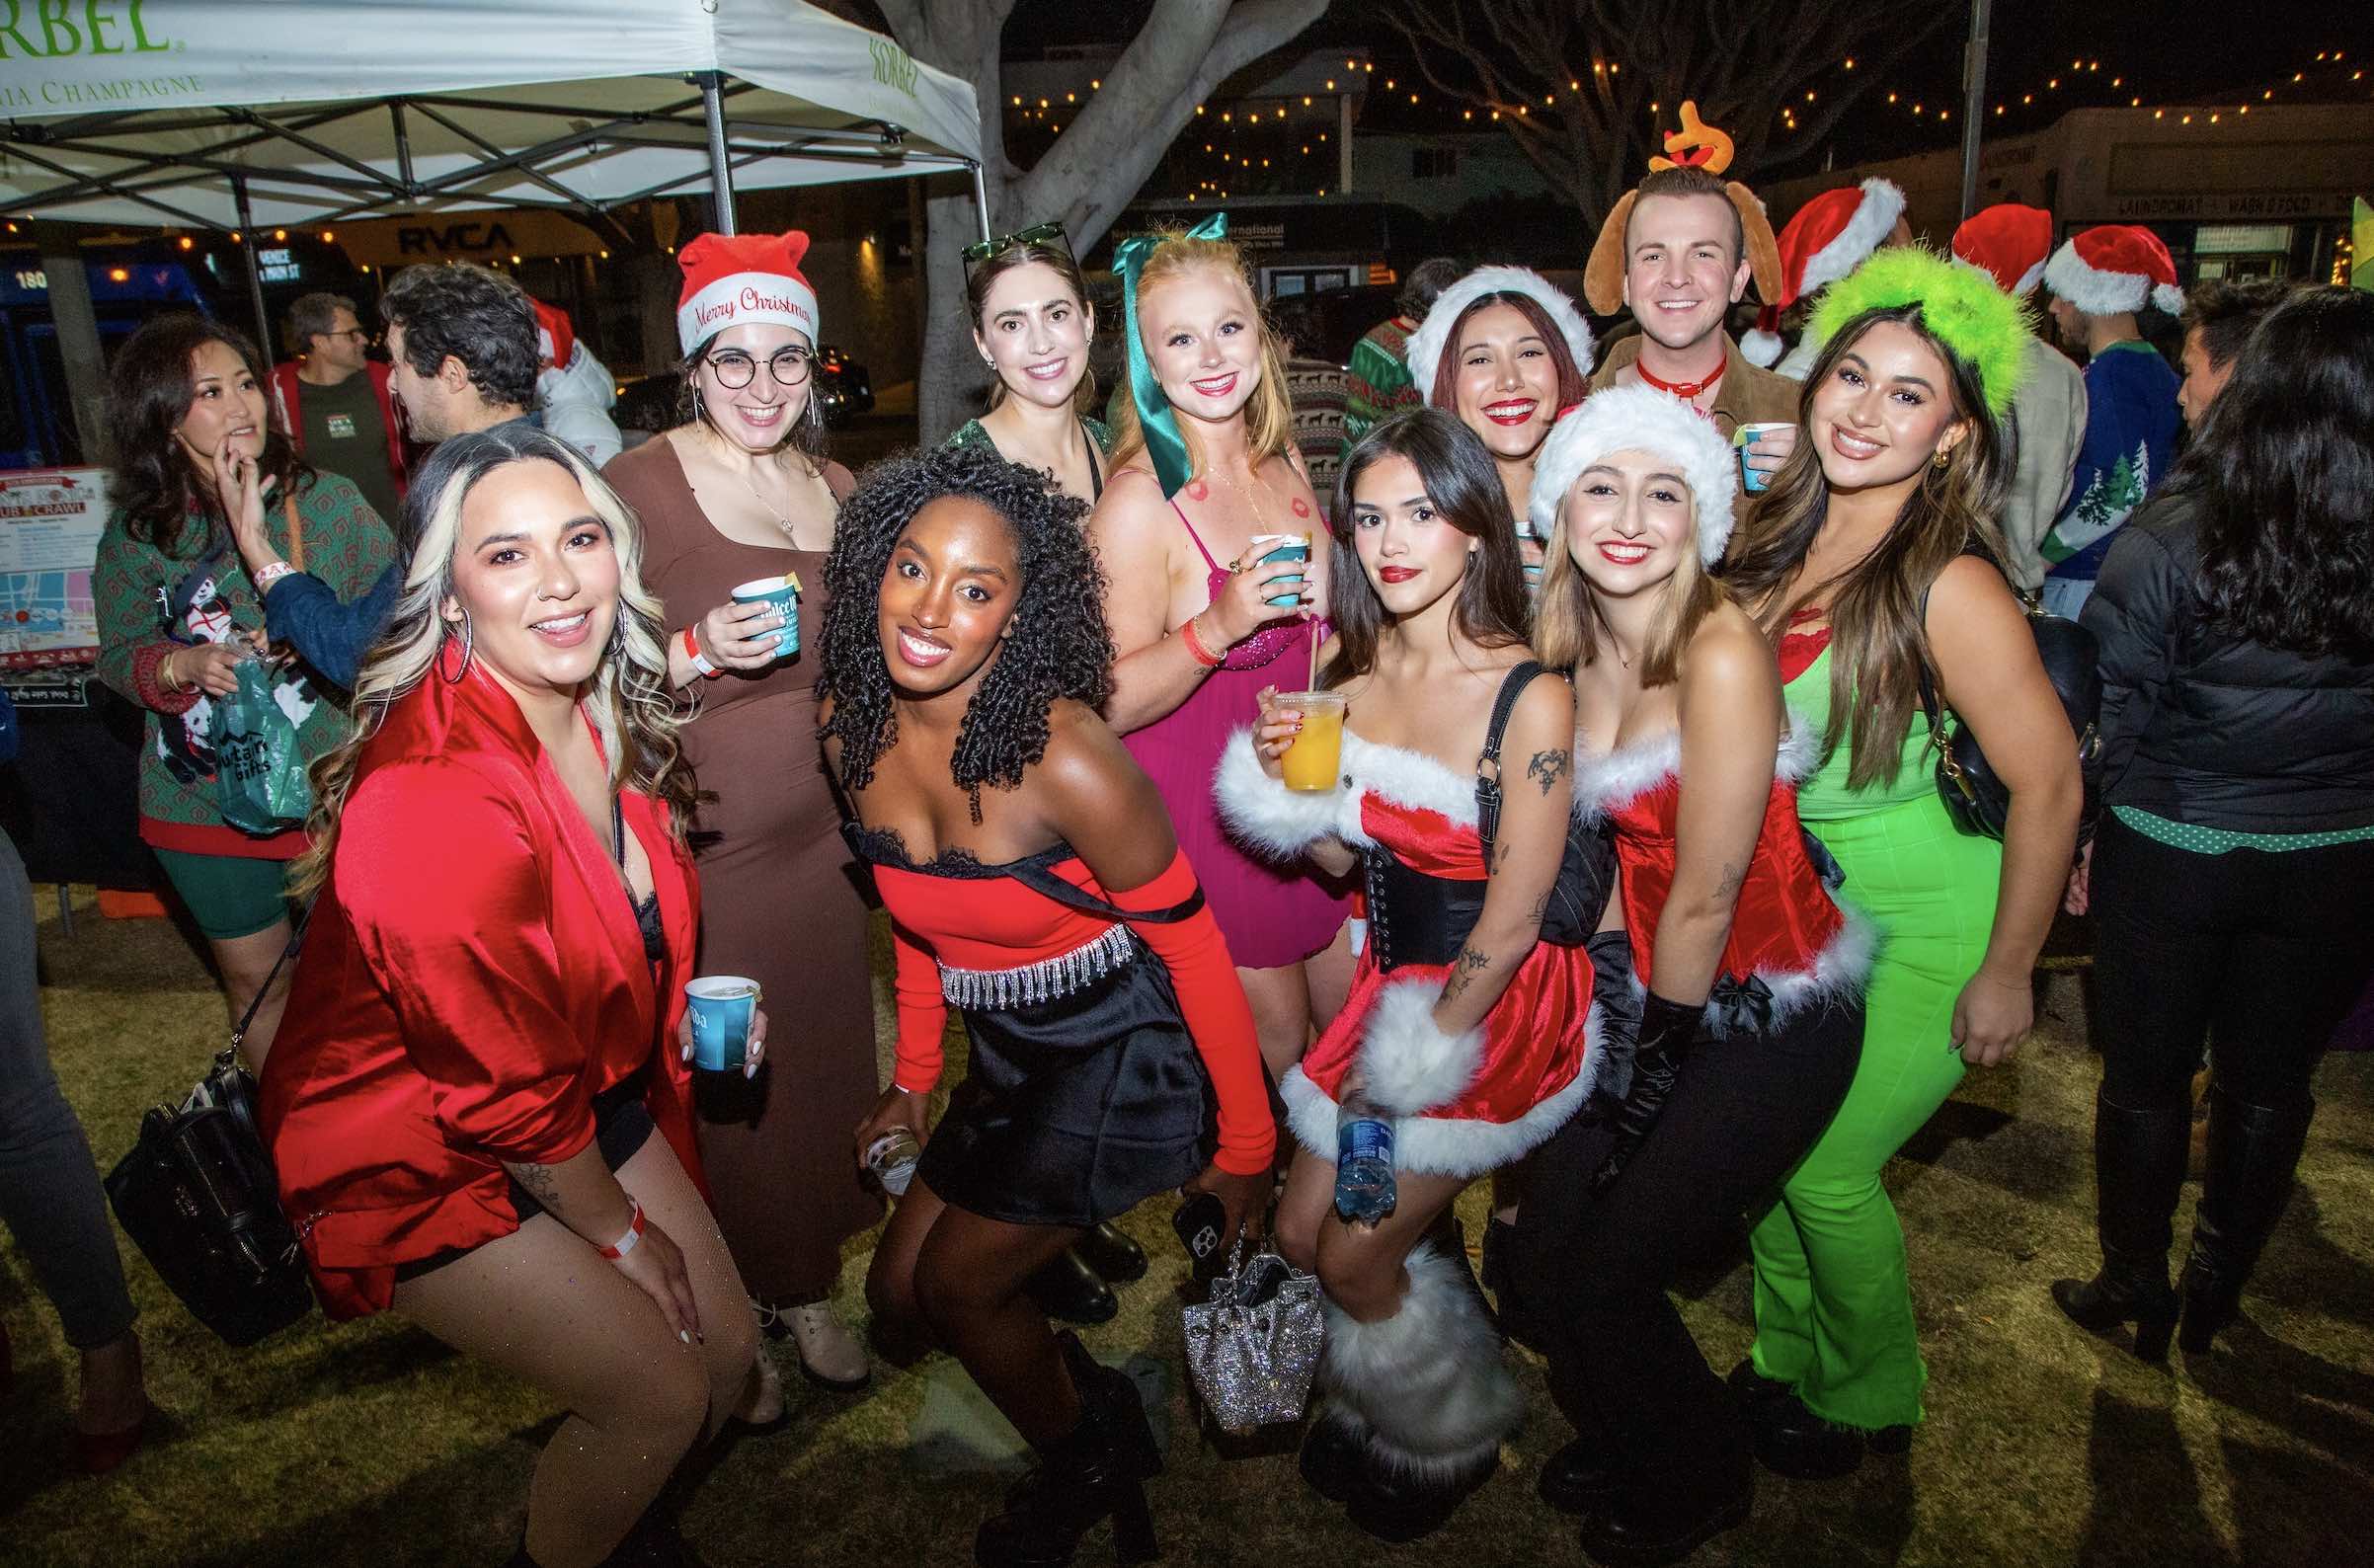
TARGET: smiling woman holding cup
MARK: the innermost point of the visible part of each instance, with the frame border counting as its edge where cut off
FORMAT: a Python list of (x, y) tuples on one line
[(739, 503)]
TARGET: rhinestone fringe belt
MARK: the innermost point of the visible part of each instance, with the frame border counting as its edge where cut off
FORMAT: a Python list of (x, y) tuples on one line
[(1049, 980)]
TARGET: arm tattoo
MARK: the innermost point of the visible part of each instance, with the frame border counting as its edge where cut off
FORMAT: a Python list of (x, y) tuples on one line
[(1470, 962), (537, 1179), (1734, 878), (1547, 767), (1541, 910)]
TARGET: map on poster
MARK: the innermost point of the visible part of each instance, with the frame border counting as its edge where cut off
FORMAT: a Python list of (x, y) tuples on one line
[(49, 525)]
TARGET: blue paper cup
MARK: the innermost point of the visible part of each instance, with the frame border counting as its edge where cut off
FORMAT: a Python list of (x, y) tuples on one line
[(1752, 480), (778, 591), (723, 1007), (1291, 547)]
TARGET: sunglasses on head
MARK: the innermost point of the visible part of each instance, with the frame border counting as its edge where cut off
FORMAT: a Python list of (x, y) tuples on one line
[(1036, 234)]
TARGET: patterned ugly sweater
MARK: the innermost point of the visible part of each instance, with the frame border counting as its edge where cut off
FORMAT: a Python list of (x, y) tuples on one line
[(345, 544), (2131, 440)]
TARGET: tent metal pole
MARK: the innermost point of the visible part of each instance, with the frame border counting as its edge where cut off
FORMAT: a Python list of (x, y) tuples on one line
[(721, 171), (1974, 103), (395, 114), (254, 269), (981, 196)]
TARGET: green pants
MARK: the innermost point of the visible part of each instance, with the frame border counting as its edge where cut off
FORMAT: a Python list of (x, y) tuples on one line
[(1834, 1314)]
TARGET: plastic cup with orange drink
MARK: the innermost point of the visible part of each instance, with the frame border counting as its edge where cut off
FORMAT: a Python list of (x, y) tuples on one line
[(1313, 760)]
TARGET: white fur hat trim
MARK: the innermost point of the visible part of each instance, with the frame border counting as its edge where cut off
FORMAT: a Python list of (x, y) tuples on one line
[(1874, 219), (2104, 293), (1431, 341), (1640, 419)]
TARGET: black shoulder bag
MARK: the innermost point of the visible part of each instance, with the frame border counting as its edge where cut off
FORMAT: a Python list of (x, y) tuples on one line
[(1587, 870), (197, 1196), (1979, 802)]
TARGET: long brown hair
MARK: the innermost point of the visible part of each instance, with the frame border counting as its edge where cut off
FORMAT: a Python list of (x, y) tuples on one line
[(1042, 252), (150, 388), (1878, 643), (1464, 483), (1269, 419)]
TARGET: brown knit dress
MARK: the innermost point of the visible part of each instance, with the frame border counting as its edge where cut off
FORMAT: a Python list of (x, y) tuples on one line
[(776, 904)]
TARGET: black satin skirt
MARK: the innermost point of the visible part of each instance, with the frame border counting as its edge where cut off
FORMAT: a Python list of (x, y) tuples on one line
[(1077, 1109)]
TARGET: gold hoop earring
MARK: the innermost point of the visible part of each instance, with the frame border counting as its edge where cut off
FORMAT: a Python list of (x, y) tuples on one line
[(1944, 455)]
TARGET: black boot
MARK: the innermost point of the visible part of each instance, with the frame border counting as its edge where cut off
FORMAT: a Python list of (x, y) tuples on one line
[(1662, 1518), (1792, 1441), (1066, 1287), (1109, 1391), (1334, 1457), (1115, 1257), (1580, 1478), (1753, 1389), (1089, 1475), (2138, 1167), (2254, 1150)]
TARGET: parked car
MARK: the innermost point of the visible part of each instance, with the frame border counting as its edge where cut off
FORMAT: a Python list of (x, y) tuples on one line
[(653, 402)]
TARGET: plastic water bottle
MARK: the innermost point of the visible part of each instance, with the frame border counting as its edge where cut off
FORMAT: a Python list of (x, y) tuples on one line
[(1364, 1161)]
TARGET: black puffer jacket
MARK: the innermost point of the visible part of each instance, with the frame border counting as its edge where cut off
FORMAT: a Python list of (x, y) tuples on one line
[(2200, 725)]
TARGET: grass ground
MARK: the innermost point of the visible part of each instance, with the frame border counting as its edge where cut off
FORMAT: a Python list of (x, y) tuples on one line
[(367, 1444)]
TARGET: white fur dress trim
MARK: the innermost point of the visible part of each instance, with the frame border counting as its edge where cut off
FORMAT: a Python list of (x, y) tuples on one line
[(1630, 772), (1838, 974), (1427, 1387), (1263, 814), (1447, 1145), (1406, 1064)]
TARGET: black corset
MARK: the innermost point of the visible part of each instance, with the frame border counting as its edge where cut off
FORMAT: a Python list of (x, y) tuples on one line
[(1415, 918)]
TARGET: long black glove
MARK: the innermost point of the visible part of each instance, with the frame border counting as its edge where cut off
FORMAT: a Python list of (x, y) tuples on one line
[(1667, 1029)]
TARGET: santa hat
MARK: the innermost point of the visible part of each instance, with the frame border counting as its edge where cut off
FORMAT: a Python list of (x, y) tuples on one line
[(2114, 269), (556, 340), (736, 280), (1830, 237), (2009, 240), (1639, 419), (1432, 340)]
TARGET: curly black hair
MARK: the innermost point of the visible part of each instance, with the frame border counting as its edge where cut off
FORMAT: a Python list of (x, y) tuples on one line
[(1058, 647)]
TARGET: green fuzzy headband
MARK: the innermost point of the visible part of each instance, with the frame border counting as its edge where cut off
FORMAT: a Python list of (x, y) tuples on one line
[(1962, 305)]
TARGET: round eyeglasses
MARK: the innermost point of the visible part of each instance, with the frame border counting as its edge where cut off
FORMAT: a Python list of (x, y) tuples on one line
[(734, 369)]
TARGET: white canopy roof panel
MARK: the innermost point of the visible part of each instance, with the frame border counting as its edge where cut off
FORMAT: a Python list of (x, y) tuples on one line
[(140, 111)]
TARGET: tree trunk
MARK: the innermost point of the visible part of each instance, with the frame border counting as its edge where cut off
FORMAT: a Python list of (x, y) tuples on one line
[(1096, 167)]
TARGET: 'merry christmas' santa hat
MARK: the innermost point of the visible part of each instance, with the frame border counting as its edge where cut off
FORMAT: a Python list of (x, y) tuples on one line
[(2009, 240), (1639, 419), (2114, 269), (1829, 237), (736, 280), (1432, 340)]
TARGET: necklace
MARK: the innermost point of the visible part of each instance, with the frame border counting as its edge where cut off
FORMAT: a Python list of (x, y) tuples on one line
[(780, 520), (1266, 493), (1687, 391)]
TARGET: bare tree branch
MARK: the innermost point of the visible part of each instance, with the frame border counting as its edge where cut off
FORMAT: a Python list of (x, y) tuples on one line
[(1588, 126)]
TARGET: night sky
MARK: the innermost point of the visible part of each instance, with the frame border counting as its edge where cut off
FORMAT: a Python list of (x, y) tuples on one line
[(2165, 53)]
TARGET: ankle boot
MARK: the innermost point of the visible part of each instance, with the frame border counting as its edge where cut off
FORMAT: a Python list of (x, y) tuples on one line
[(1066, 1287), (1110, 1392), (2138, 1168), (1088, 1475), (1116, 1259), (1663, 1515), (2254, 1150)]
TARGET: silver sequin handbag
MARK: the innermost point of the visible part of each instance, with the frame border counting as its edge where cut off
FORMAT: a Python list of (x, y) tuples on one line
[(1252, 1348)]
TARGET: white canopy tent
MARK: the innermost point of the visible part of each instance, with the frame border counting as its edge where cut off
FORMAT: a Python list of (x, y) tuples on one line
[(235, 114)]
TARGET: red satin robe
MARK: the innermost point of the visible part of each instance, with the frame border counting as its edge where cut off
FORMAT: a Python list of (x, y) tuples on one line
[(472, 978)]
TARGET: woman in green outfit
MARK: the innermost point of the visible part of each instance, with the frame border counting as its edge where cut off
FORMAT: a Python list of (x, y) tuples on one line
[(1032, 323), (1859, 559), (177, 614)]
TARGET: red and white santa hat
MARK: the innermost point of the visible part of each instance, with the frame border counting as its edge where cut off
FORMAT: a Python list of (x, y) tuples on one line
[(1432, 340), (2114, 269), (736, 280), (1639, 419), (2010, 240), (556, 339), (1830, 237)]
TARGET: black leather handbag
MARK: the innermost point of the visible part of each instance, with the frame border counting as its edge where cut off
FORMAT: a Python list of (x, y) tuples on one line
[(197, 1196), (1587, 870), (1978, 801)]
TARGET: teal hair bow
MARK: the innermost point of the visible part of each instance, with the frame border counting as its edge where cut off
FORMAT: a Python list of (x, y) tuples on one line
[(1164, 446)]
